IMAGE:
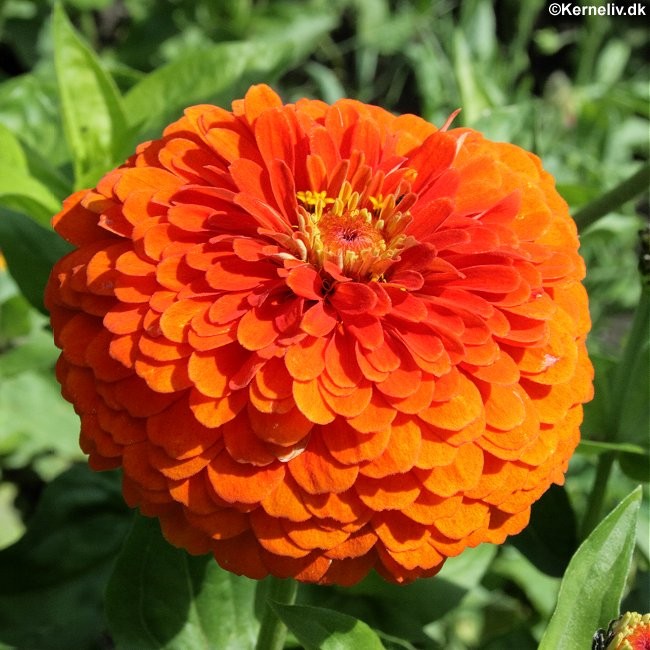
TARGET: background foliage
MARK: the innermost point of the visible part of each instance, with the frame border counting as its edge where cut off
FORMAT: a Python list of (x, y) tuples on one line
[(81, 83)]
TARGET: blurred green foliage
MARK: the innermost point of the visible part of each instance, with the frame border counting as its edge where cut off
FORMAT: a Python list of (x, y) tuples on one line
[(81, 83)]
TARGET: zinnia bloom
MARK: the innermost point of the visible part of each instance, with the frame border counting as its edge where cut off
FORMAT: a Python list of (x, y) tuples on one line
[(323, 339)]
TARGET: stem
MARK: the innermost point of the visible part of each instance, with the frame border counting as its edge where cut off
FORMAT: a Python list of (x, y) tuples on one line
[(273, 631), (613, 199), (597, 495)]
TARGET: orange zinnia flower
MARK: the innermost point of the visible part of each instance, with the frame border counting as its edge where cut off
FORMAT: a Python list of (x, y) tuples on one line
[(321, 339)]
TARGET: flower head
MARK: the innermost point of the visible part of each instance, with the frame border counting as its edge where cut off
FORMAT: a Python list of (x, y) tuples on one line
[(631, 631), (321, 339)]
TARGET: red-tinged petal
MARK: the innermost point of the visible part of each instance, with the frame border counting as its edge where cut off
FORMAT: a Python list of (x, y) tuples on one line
[(461, 409), (215, 412), (340, 361), (317, 472), (162, 377), (505, 406), (399, 533), (311, 535), (462, 474), (241, 555), (377, 416), (392, 493), (254, 332), (242, 483), (429, 216), (351, 447), (349, 405), (428, 508), (344, 507), (258, 99), (286, 501), (273, 380), (233, 274), (503, 371), (318, 321), (368, 370), (311, 403), (386, 357), (367, 329), (402, 382), (181, 469), (304, 281), (400, 454), (467, 518), (419, 400), (435, 450), (276, 136), (306, 359), (175, 320), (243, 445), (283, 429), (352, 298), (271, 534), (357, 545)]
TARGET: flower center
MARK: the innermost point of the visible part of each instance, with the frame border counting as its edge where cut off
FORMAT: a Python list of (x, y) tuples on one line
[(361, 236)]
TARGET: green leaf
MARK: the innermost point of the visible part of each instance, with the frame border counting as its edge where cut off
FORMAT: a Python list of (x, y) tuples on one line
[(52, 579), (323, 629), (30, 251), (591, 591), (159, 597), (29, 107), (550, 538), (597, 447), (18, 189), (94, 120), (221, 72), (34, 420), (21, 192), (404, 610), (37, 352), (11, 151)]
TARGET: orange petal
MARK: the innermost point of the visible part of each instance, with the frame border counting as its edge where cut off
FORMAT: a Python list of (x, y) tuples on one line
[(505, 406), (176, 430), (389, 493), (461, 475), (427, 508), (399, 533), (351, 447), (317, 472), (306, 360), (467, 518), (272, 536), (211, 372), (284, 429), (213, 412), (377, 416), (401, 453), (311, 535), (243, 445), (463, 408), (352, 404), (242, 483), (286, 501), (344, 507), (180, 469), (311, 403)]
